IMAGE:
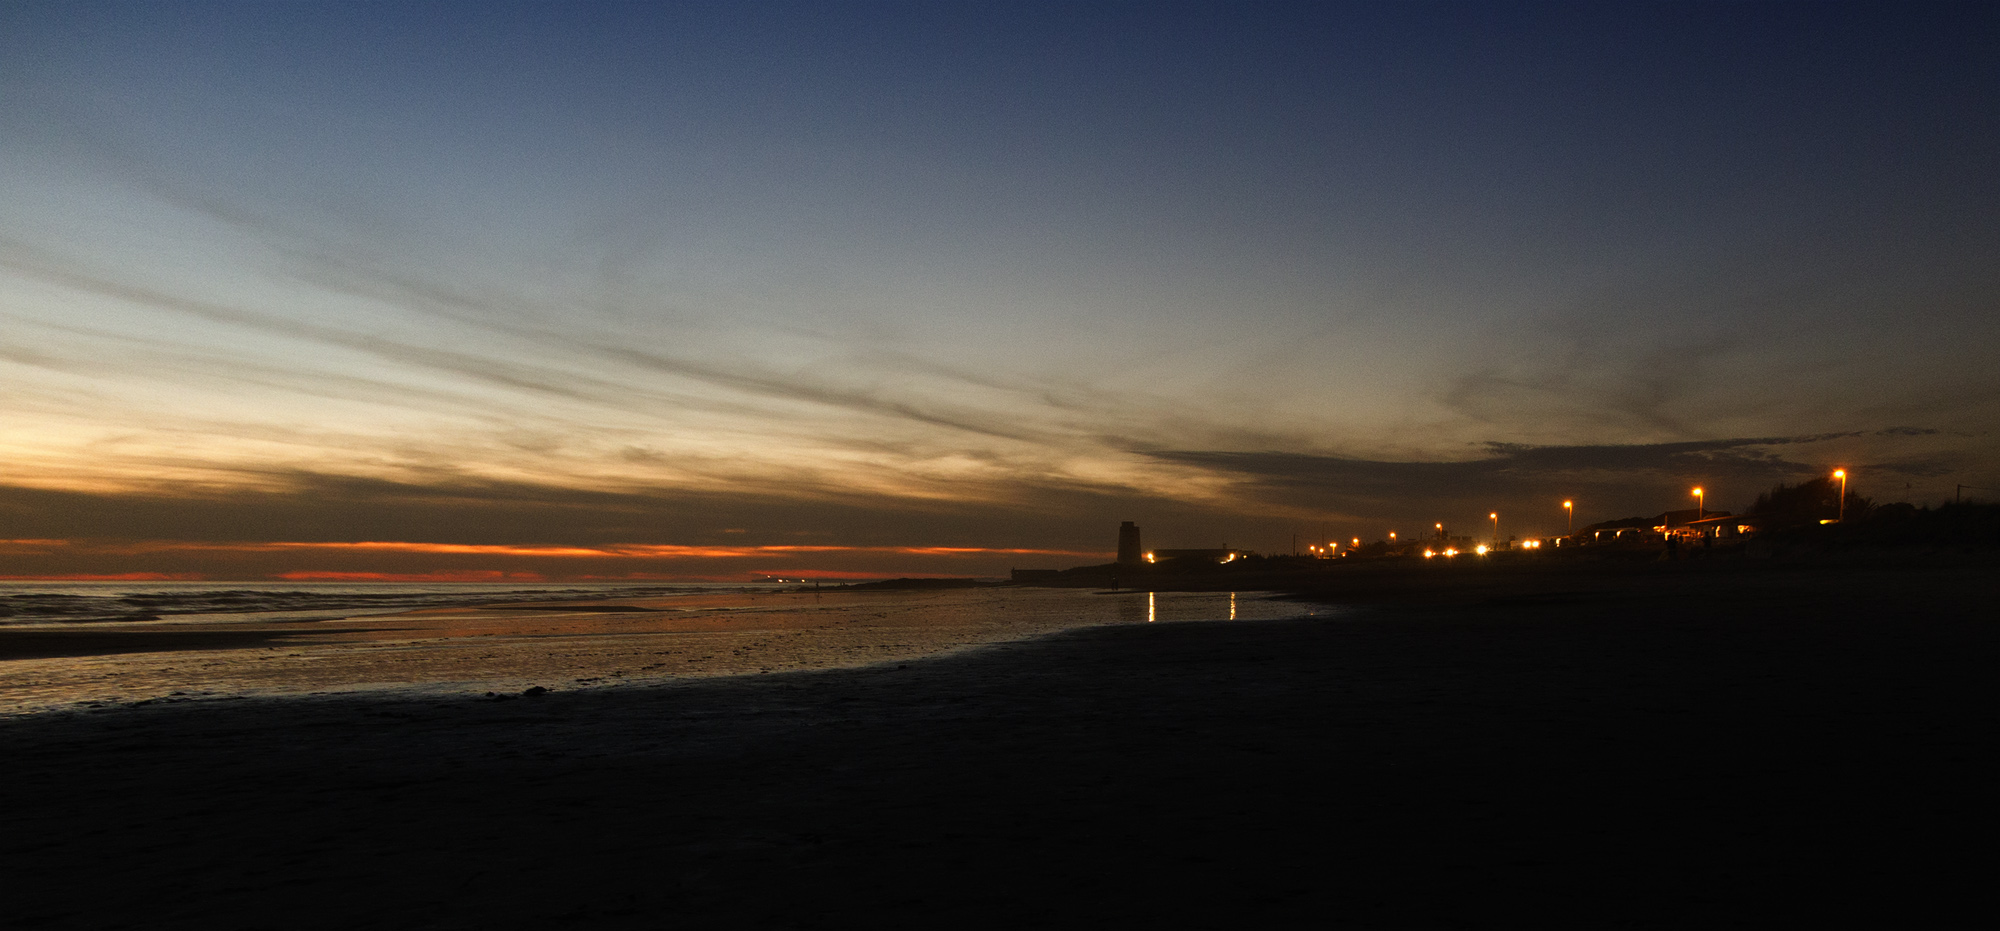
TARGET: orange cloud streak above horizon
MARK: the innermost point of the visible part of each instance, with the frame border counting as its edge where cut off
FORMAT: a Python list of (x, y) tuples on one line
[(611, 551), (412, 561)]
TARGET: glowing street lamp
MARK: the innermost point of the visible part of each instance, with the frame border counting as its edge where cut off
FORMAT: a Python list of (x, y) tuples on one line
[(1842, 475), (1496, 527), (1699, 505), (1569, 510)]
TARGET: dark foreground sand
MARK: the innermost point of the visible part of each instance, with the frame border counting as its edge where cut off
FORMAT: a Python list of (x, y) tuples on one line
[(1688, 749)]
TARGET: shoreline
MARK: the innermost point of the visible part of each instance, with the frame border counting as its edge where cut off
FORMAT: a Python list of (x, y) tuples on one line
[(510, 647), (1785, 754)]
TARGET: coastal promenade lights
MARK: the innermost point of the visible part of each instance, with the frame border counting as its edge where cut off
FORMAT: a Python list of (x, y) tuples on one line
[(1842, 475), (1569, 511), (1700, 506)]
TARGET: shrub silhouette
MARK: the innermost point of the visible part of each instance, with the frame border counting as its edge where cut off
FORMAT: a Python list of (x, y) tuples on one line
[(1808, 503)]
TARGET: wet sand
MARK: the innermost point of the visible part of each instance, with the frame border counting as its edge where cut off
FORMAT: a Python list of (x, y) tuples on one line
[(1688, 749), (555, 645)]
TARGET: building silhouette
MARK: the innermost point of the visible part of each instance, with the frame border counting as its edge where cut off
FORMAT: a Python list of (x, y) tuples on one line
[(1130, 552)]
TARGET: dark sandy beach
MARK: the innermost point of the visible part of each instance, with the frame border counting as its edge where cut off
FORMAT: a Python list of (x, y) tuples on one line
[(1689, 747)]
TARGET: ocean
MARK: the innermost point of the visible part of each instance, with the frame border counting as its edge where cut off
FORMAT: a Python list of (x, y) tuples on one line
[(36, 603)]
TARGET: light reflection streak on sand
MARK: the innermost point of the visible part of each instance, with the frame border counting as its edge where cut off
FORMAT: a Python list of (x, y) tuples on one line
[(456, 650)]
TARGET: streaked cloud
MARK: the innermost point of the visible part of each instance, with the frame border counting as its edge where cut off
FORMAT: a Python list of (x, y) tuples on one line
[(387, 560), (662, 274), (627, 551)]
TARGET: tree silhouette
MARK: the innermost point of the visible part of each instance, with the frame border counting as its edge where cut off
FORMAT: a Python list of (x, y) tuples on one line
[(1808, 503)]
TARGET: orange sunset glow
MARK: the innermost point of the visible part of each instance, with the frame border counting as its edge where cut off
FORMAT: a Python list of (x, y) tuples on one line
[(652, 464), (409, 561)]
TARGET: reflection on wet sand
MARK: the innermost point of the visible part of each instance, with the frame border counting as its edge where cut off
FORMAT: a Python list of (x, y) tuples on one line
[(511, 647)]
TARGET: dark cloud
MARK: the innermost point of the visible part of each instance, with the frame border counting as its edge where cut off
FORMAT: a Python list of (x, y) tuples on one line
[(1528, 482), (308, 507), (1747, 453), (1634, 386)]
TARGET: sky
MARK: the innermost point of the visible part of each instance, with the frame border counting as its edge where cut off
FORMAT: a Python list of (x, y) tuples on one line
[(852, 289)]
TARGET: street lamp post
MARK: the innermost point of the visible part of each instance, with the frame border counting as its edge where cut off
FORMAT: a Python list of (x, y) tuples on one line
[(1700, 509), (1569, 511), (1842, 514), (1496, 528)]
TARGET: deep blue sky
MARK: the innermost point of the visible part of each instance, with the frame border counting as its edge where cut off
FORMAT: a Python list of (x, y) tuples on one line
[(875, 274)]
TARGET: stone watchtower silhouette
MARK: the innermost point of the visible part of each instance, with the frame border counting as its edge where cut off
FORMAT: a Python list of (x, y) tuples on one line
[(1130, 553)]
